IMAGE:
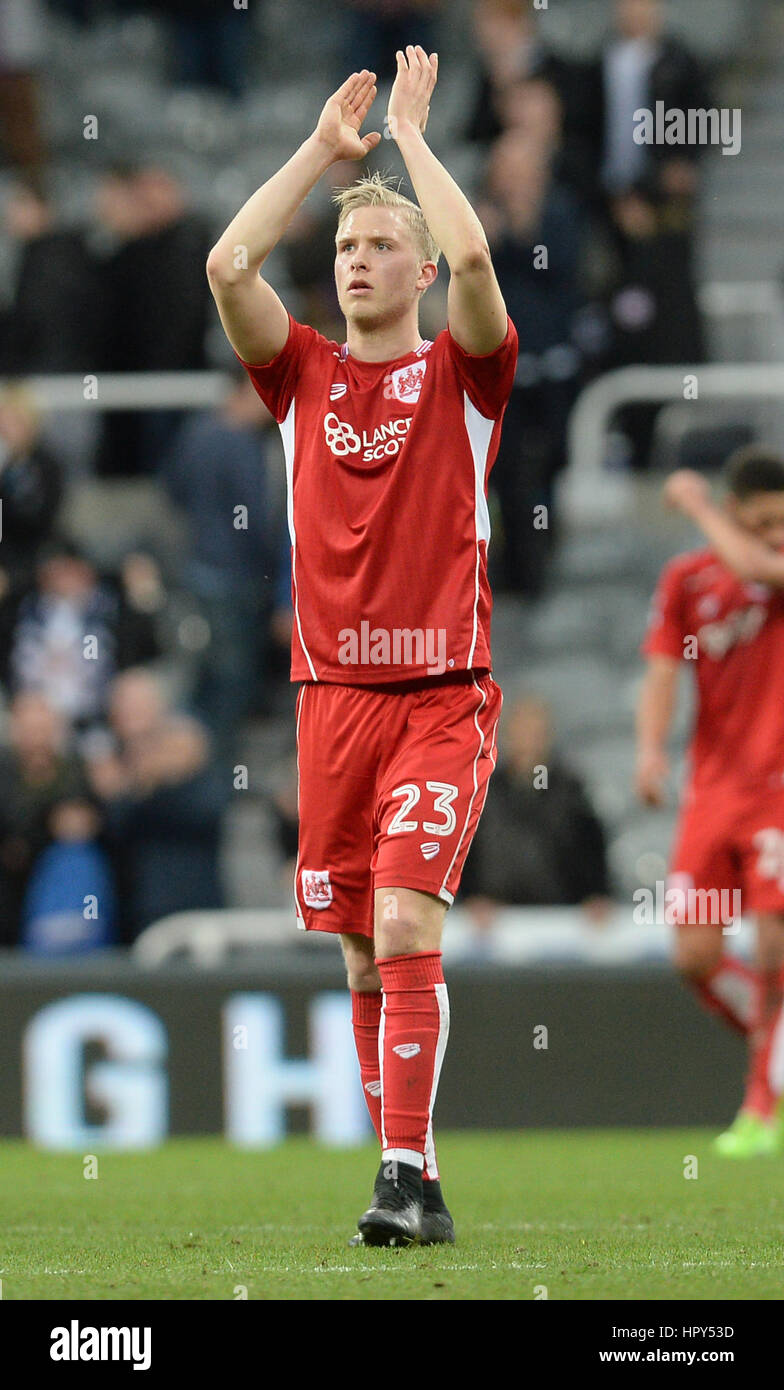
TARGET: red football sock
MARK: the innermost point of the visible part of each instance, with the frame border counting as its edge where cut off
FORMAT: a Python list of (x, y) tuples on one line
[(728, 990), (763, 1084), (365, 1016), (411, 1044)]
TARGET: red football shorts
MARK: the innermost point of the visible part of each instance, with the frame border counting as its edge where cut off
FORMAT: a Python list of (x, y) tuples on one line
[(733, 844), (392, 782)]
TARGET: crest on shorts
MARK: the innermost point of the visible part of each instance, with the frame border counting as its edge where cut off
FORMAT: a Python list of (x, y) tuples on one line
[(316, 888)]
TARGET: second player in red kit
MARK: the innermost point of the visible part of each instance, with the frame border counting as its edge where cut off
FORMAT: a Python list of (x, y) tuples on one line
[(721, 610), (389, 439)]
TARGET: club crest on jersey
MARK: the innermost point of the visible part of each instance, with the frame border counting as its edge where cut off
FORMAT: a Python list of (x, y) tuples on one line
[(405, 383), (316, 888)]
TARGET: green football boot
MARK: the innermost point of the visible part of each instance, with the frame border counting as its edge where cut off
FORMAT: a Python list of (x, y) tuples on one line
[(749, 1136)]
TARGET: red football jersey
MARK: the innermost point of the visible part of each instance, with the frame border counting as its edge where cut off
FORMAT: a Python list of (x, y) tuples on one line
[(734, 633), (387, 466)]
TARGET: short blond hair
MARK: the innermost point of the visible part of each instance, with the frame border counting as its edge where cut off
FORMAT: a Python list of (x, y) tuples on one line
[(380, 190)]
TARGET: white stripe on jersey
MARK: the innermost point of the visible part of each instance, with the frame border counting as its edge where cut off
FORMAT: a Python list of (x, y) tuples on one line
[(286, 428), (479, 430)]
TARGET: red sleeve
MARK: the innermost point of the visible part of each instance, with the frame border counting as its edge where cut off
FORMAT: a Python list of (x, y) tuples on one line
[(488, 379), (667, 625), (276, 381)]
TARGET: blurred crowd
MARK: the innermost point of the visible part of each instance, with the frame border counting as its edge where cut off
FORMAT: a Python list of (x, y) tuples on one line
[(115, 779)]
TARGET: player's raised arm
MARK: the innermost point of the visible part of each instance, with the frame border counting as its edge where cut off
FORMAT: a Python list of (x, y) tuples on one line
[(749, 557), (476, 310), (253, 316)]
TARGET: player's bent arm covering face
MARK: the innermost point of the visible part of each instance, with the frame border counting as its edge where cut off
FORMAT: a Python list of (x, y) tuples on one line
[(742, 548)]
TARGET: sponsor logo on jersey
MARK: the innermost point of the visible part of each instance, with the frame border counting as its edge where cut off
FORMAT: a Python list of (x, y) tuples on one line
[(429, 849), (373, 1088), (316, 888), (407, 1050), (338, 389), (405, 383), (384, 442)]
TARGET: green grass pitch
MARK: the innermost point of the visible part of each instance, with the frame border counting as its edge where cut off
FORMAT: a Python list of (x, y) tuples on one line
[(587, 1214)]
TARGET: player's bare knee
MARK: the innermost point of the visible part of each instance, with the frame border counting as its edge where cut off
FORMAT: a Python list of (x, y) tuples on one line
[(403, 937), (407, 921), (361, 970), (363, 980)]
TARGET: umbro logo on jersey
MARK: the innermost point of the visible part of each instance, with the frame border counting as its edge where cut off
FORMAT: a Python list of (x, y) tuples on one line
[(373, 1088), (407, 1050), (339, 389), (430, 849)]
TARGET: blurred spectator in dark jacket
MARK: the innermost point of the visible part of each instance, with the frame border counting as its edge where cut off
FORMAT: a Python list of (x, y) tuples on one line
[(73, 631), (640, 65), (45, 798), (51, 324), (30, 487), (539, 841), (535, 107), (649, 202), (209, 42), (535, 228), (22, 41), (375, 29), (156, 302), (654, 316), (218, 475), (511, 51), (163, 802)]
